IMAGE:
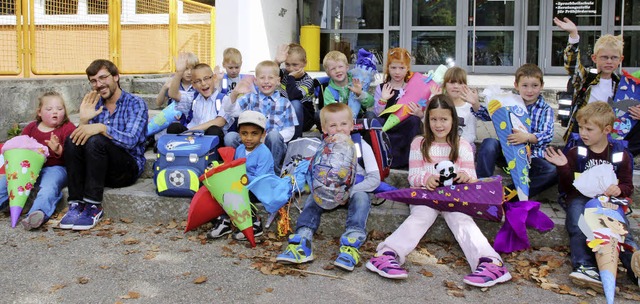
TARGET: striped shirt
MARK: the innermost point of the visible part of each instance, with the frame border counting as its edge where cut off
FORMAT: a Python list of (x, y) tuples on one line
[(420, 170), (296, 89), (127, 126), (276, 108)]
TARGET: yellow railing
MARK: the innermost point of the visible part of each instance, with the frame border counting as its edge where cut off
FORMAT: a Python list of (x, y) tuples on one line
[(139, 36)]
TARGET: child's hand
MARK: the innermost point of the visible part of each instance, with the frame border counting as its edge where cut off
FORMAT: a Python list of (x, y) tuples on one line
[(88, 107), (387, 92), (436, 90), (567, 25), (432, 182), (54, 144), (613, 190), (181, 62), (356, 87), (218, 73), (415, 109), (281, 55), (470, 96), (463, 178), (555, 156), (297, 74), (518, 137), (244, 86), (634, 112)]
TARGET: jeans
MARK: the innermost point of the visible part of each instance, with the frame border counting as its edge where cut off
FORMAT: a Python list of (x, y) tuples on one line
[(357, 215), (273, 141), (542, 173), (580, 253), (50, 183), (305, 112), (97, 164)]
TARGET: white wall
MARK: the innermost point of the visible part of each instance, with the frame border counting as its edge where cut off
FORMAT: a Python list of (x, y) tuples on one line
[(255, 27)]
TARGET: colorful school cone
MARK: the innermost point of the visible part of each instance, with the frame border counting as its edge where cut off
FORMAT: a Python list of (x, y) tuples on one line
[(163, 119), (418, 90), (22, 168), (227, 183), (203, 208), (1, 162)]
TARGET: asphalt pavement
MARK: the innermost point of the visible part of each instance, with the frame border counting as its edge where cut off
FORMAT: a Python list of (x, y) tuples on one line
[(121, 261)]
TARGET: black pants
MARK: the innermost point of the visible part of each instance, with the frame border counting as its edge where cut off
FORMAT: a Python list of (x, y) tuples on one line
[(97, 164)]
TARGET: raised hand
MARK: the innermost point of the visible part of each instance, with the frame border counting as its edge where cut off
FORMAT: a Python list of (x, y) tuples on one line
[(356, 87), (181, 62), (415, 109), (387, 92), (566, 25), (54, 144), (471, 96), (555, 156), (88, 107), (281, 55)]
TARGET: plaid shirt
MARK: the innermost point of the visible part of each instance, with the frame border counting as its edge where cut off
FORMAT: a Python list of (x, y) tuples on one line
[(127, 126), (277, 109), (541, 115)]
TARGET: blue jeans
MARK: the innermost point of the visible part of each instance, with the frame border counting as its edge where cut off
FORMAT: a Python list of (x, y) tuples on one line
[(542, 174), (305, 112), (357, 215), (273, 141), (50, 183), (97, 164)]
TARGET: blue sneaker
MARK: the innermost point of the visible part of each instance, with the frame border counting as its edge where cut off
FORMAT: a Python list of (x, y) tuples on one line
[(298, 251), (349, 255), (89, 217), (71, 216)]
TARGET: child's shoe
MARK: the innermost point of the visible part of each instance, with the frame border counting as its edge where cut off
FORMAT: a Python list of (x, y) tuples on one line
[(386, 265), (587, 276), (89, 217), (257, 230), (349, 255), (221, 227), (298, 251), (33, 220), (487, 274), (75, 209)]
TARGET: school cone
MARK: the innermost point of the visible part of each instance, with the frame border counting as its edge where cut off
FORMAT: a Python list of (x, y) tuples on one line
[(22, 169), (607, 260)]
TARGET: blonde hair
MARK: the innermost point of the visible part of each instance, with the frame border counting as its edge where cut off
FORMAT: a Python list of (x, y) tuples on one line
[(455, 75), (610, 42), (41, 102), (398, 55), (529, 70), (599, 113), (336, 107), (336, 56), (231, 55), (192, 59), (200, 66), (268, 64), (297, 50)]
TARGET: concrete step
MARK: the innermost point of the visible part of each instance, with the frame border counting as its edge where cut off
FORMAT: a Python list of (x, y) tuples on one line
[(148, 85), (150, 100)]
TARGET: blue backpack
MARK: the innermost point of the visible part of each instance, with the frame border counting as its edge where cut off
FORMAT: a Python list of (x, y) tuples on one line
[(182, 158)]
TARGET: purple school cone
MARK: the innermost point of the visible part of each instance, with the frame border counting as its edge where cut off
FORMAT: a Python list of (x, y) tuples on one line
[(22, 168)]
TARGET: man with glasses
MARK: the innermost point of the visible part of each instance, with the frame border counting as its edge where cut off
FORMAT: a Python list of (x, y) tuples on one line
[(107, 148), (208, 114)]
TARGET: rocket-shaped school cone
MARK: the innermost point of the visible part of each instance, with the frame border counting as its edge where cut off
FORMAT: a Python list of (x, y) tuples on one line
[(24, 158), (227, 183), (418, 90)]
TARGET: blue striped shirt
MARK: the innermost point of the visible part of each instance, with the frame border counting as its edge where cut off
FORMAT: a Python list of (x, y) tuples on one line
[(127, 126), (277, 109)]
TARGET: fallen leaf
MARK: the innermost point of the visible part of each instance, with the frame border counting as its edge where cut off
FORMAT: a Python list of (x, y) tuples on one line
[(426, 273), (130, 241), (131, 295), (200, 280), (104, 267), (592, 292), (57, 287), (549, 286), (126, 220), (83, 280), (456, 293), (329, 267), (269, 289), (172, 224), (149, 256)]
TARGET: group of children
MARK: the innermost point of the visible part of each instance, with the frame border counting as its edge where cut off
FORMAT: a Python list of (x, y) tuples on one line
[(259, 115)]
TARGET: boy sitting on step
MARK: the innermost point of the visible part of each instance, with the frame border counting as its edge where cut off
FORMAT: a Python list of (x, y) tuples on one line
[(337, 118)]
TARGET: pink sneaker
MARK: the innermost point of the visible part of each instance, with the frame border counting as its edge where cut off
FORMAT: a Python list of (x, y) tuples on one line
[(387, 266), (487, 274)]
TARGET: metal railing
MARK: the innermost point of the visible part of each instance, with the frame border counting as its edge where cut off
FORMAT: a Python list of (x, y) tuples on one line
[(43, 37)]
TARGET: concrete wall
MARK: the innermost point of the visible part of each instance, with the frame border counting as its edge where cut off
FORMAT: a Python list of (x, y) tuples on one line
[(19, 97), (243, 24)]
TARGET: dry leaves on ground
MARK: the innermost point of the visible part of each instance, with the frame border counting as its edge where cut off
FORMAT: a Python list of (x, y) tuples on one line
[(131, 295), (200, 280)]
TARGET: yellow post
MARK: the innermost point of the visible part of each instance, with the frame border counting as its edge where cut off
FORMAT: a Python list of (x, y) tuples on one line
[(24, 43), (310, 41), (173, 33), (114, 31), (212, 48)]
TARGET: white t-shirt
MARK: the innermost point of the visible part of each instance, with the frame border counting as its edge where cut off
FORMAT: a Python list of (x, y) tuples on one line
[(603, 91), (468, 131)]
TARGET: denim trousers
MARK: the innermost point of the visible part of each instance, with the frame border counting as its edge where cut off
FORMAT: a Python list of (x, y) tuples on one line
[(356, 226), (542, 173), (305, 112), (97, 164), (50, 183), (273, 141)]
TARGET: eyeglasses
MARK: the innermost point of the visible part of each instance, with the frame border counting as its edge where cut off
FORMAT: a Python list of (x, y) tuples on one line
[(607, 58), (101, 79), (200, 81)]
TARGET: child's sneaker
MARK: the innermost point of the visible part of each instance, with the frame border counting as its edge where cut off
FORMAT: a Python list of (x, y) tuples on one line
[(298, 251), (487, 274), (257, 231), (89, 217), (221, 227), (386, 265), (72, 215), (349, 255), (33, 220)]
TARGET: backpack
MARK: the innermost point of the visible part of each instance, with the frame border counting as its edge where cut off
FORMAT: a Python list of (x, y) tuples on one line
[(371, 131), (181, 159)]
